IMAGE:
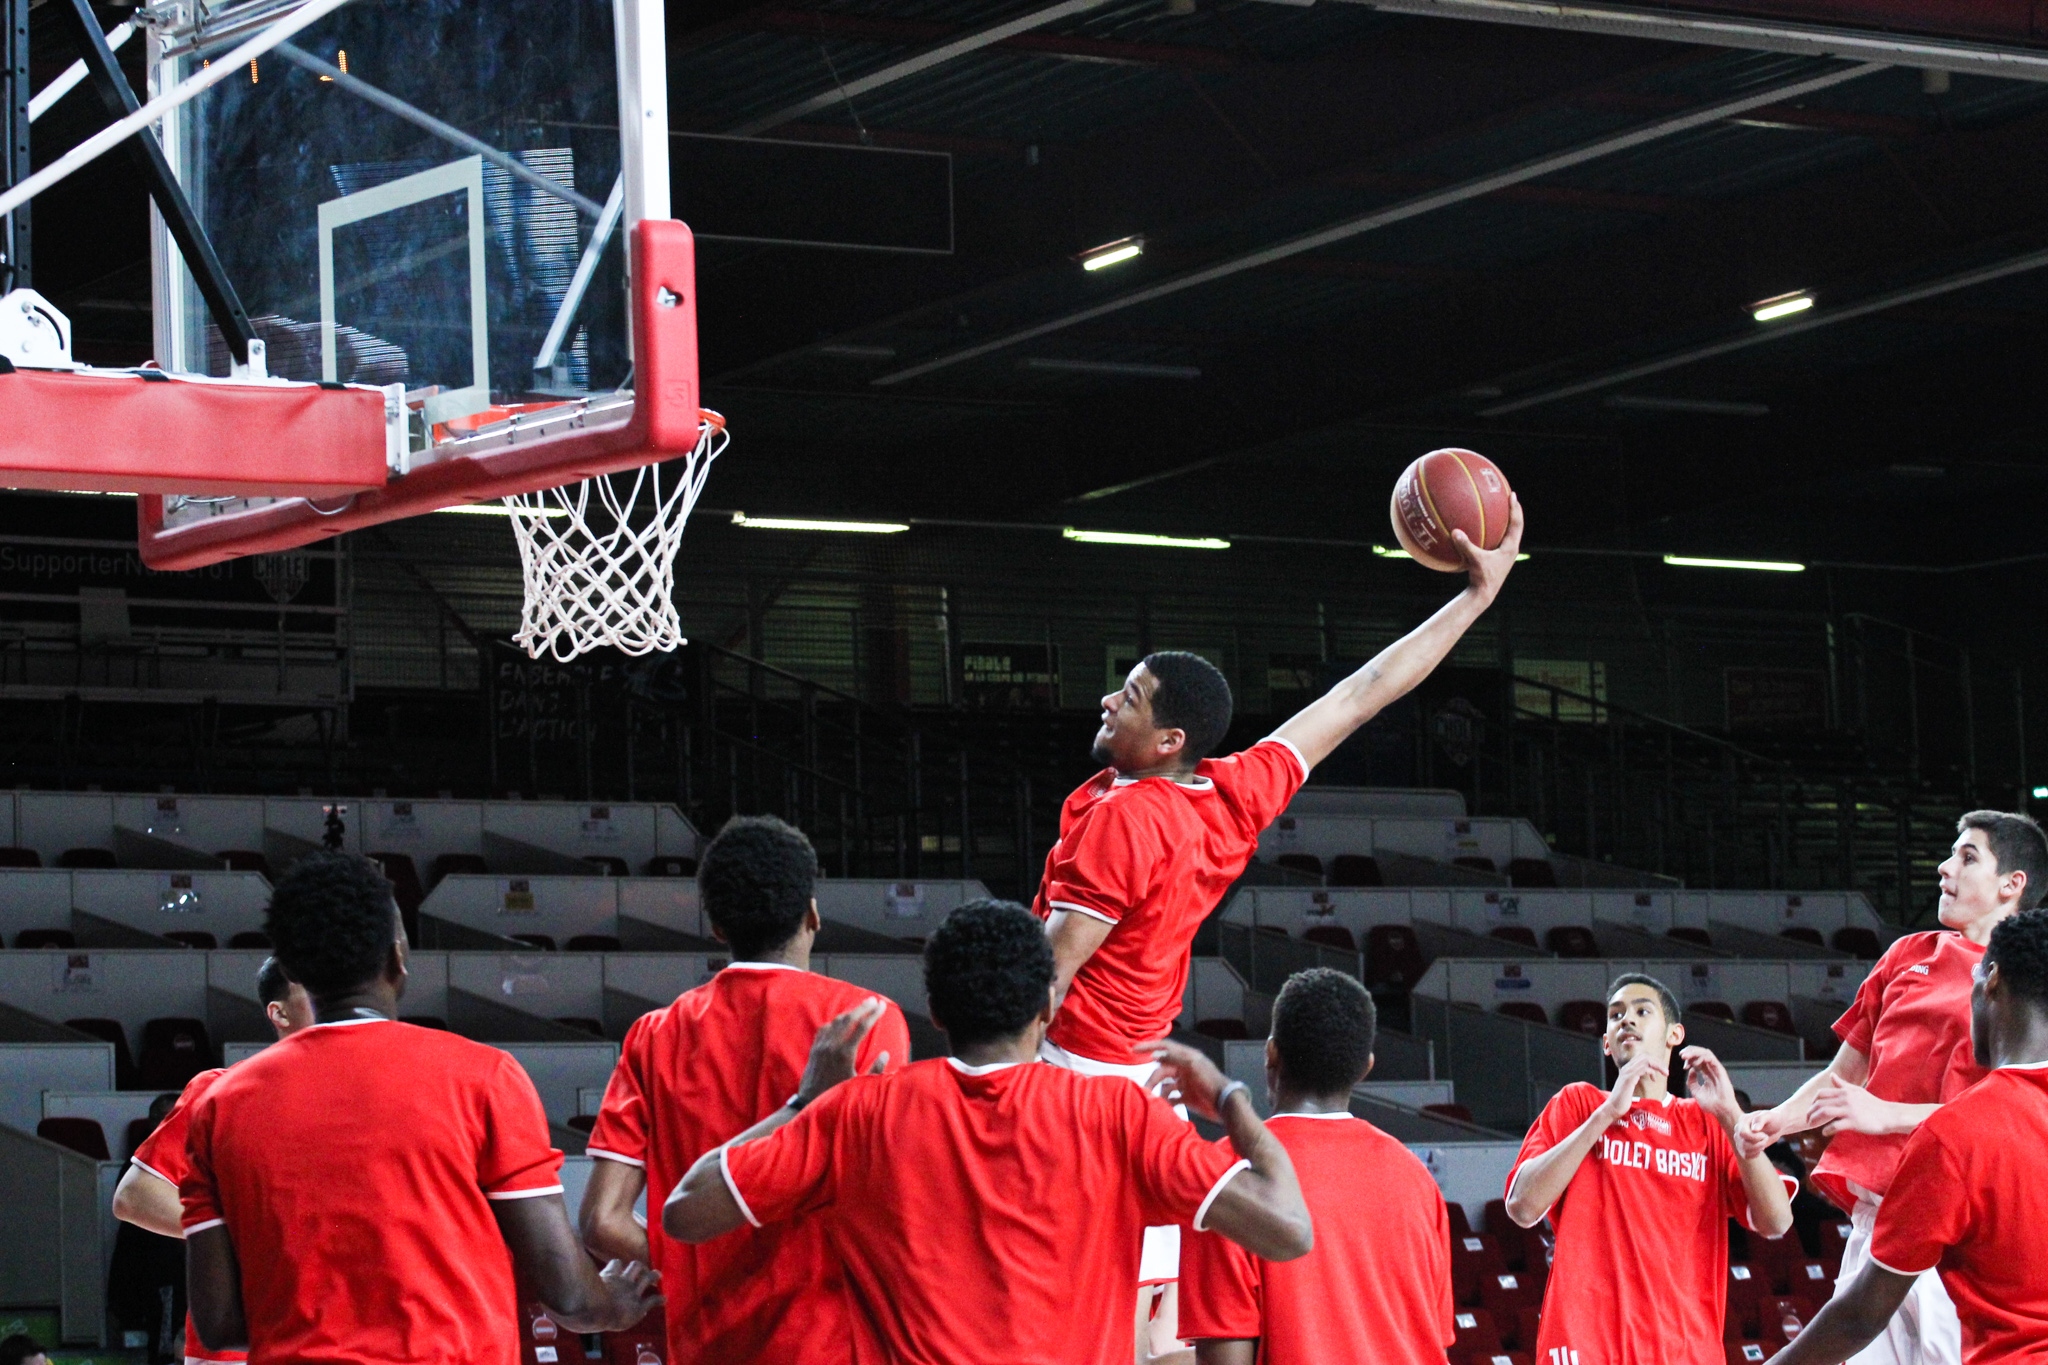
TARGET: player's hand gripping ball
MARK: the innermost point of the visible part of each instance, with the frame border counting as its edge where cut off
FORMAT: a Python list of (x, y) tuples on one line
[(1445, 491)]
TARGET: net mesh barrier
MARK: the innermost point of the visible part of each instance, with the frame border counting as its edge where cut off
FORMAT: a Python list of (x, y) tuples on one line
[(599, 557)]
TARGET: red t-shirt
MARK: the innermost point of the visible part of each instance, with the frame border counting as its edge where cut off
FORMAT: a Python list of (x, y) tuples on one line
[(1377, 1286), (986, 1214), (1640, 1273), (1151, 857), (713, 1064), (354, 1164), (162, 1154), (1969, 1199), (1911, 1018)]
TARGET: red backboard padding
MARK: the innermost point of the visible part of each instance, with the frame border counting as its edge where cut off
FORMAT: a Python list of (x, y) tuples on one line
[(122, 433), (664, 425)]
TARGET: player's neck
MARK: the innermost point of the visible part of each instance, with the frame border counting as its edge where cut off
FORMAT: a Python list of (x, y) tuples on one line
[(379, 999), (1288, 1100), (1022, 1048), (791, 954), (2020, 1038), (1171, 771)]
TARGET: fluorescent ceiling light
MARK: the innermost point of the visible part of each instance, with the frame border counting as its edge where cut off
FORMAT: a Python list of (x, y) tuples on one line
[(1113, 253), (1782, 306), (499, 509), (1143, 538), (1384, 553), (1761, 565), (1705, 407), (2041, 793), (1130, 368), (870, 528)]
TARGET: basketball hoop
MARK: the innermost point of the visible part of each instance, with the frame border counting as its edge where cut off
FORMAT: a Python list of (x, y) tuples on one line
[(599, 563)]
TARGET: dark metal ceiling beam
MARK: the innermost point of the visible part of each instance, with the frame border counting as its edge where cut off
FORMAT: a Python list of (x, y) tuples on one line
[(1394, 213), (817, 24), (2010, 60)]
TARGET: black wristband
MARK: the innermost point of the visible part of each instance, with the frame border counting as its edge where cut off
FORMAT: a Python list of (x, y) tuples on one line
[(795, 1103)]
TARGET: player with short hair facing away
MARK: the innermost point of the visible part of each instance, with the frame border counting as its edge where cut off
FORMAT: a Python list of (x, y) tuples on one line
[(148, 1193), (988, 1209), (712, 1063), (1906, 1051), (1377, 1287), (1643, 1185), (368, 1191), (1969, 1200)]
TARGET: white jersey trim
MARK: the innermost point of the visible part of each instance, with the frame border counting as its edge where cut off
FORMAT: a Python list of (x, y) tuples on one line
[(619, 1157), (2022, 1066), (523, 1194), (734, 1190), (964, 1069), (148, 1169), (1331, 1114), (1202, 1213), (1291, 748), (350, 1023), (215, 1360), (1081, 910), (1894, 1270), (201, 1227), (751, 966)]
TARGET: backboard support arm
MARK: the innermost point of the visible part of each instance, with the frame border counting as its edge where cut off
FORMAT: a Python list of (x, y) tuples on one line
[(16, 254), (176, 210)]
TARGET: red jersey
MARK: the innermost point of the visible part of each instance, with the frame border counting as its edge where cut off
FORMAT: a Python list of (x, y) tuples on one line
[(1377, 1286), (354, 1164), (991, 1214), (1911, 1018), (713, 1064), (1640, 1272), (1969, 1199), (162, 1154), (1151, 857)]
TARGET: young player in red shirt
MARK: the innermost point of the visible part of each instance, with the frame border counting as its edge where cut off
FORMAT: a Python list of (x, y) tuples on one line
[(987, 1209), (364, 1191), (1969, 1200), (1148, 845), (1377, 1287), (1905, 1052), (721, 1057), (148, 1193), (1642, 1185)]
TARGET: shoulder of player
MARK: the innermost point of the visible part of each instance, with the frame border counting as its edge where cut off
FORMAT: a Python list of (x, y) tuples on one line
[(1581, 1095), (1908, 949)]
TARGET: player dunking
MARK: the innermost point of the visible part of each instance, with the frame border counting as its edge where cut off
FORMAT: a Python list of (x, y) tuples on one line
[(718, 1059), (1643, 1185), (1148, 845), (1906, 1051)]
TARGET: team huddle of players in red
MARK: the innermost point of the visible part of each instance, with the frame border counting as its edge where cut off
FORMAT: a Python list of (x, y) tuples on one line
[(372, 1192)]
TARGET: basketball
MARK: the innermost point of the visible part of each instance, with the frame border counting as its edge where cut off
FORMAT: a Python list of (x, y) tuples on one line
[(1450, 490)]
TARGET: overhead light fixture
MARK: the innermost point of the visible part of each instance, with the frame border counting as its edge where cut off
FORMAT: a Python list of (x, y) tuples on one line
[(865, 528), (1128, 368), (1760, 565), (1705, 407), (1112, 253), (1386, 553), (499, 509), (1144, 538), (1781, 306), (2041, 793)]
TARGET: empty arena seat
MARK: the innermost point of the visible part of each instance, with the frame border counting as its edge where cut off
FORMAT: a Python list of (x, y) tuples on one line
[(644, 1343), (1527, 1010), (544, 942), (1532, 872), (1331, 936), (1526, 1324), (173, 1051), (20, 857), (581, 1024), (243, 860), (1449, 1110), (1713, 1009), (1834, 1239), (670, 866), (1571, 940), (450, 864), (1459, 1224), (608, 864), (1747, 1352), (250, 938), (1582, 1016), (1799, 933), (83, 1136), (46, 938), (1223, 1030), (1474, 1256), (1307, 864), (1505, 1295), (1356, 869), (1685, 933), (1769, 1014), (1393, 958), (592, 943), (87, 857), (1811, 1277), (110, 1031), (1476, 1331), (1513, 933), (1475, 862), (1858, 941), (424, 1021), (193, 938)]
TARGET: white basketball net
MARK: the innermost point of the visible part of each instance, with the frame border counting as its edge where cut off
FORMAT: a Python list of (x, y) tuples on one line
[(599, 565)]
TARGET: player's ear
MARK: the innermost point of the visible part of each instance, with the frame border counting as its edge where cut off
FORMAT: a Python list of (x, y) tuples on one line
[(1052, 1004), (1371, 1060), (1675, 1035), (812, 922), (1172, 742)]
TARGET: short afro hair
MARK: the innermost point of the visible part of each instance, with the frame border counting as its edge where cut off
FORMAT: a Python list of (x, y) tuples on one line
[(1324, 1025), (1192, 696), (332, 922), (2018, 844), (987, 971), (2019, 949), (1666, 1001), (272, 982), (757, 878)]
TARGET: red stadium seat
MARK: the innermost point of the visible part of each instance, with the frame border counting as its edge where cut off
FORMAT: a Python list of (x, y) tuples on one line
[(1393, 959), (1505, 1295), (1583, 1016), (250, 938), (20, 857), (1475, 1257), (193, 938), (1858, 941), (1744, 1320), (1514, 933), (1223, 1030), (1814, 1278), (1307, 864), (1572, 940), (1527, 1010), (1356, 869), (1799, 933), (671, 867), (1784, 1319), (1769, 1014), (1331, 936), (1685, 933), (1460, 1225), (608, 864), (1834, 1239), (1747, 1352), (173, 1051), (1527, 1323), (46, 938), (1476, 1331), (83, 1136), (1532, 872), (243, 860), (1713, 1009), (645, 1343), (1449, 1111), (110, 1031)]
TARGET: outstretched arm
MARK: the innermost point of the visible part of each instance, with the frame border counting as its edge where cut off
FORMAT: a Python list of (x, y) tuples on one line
[(555, 1269), (1851, 1320), (1318, 728), (1710, 1085), (150, 1202), (606, 1220), (1834, 1101), (1541, 1180), (1260, 1209)]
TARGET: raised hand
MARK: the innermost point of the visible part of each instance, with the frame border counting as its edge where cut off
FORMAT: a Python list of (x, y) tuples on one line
[(1844, 1107), (1628, 1084), (1185, 1076), (1756, 1131), (1488, 569), (835, 1049), (1710, 1085), (630, 1293)]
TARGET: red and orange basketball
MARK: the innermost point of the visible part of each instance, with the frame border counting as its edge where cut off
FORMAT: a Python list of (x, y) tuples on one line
[(1445, 491)]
